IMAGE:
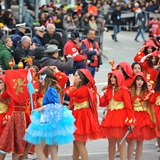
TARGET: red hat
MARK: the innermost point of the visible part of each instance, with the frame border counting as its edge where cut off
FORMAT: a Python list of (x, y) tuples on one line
[(140, 74), (42, 69), (127, 68), (150, 43), (119, 75), (88, 75)]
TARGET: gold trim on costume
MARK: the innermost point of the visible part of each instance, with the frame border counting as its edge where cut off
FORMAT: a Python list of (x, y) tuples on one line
[(84, 104), (139, 106), (148, 76), (3, 108), (115, 105), (157, 101)]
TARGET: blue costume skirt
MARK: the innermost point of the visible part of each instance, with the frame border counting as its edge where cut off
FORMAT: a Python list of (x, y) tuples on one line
[(54, 125)]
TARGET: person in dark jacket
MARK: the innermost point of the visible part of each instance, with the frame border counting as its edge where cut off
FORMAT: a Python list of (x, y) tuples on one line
[(116, 19), (51, 59), (37, 39), (51, 34), (140, 20), (24, 49), (19, 34)]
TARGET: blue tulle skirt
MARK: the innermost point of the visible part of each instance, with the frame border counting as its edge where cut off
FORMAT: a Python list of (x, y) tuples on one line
[(54, 125)]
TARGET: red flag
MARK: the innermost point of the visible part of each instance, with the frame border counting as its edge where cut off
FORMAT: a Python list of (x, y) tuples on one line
[(16, 82)]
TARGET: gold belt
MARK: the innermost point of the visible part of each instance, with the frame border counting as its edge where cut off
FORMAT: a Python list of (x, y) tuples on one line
[(3, 108), (115, 105), (77, 106)]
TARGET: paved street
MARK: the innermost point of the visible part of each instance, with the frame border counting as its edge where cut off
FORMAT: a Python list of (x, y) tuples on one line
[(124, 50)]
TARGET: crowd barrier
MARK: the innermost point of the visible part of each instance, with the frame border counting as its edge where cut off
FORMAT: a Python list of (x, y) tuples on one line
[(128, 18)]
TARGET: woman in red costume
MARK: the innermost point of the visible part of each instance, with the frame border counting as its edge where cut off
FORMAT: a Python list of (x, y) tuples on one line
[(119, 115), (146, 49), (155, 99), (6, 109), (145, 121), (136, 67), (148, 63), (12, 137), (6, 106), (126, 69), (84, 110)]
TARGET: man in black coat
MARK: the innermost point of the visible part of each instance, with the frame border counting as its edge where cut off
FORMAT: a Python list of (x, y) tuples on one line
[(24, 49), (116, 19), (51, 59), (51, 34)]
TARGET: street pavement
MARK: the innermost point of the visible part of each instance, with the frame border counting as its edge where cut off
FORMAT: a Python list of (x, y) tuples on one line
[(123, 50)]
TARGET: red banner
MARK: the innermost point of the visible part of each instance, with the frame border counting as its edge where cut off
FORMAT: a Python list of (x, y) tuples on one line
[(16, 82)]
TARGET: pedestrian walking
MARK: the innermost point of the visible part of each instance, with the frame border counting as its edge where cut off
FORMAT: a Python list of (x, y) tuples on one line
[(140, 23), (116, 20)]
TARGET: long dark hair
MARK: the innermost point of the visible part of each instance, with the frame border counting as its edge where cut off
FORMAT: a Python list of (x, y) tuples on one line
[(157, 85), (150, 64), (83, 78), (146, 50), (133, 88), (50, 80)]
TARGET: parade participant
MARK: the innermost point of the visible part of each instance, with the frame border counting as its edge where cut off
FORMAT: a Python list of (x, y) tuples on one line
[(12, 137), (84, 110), (37, 39), (146, 49), (136, 67), (155, 99), (6, 107), (148, 63), (60, 76), (61, 80), (153, 25), (144, 125), (92, 50), (126, 69), (119, 115), (52, 124), (19, 34)]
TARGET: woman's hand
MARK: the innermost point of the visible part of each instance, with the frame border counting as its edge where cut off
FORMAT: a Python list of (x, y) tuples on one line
[(104, 88), (71, 79), (4, 123), (40, 109)]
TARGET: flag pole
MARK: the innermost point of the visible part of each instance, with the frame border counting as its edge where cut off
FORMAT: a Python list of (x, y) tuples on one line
[(30, 88)]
